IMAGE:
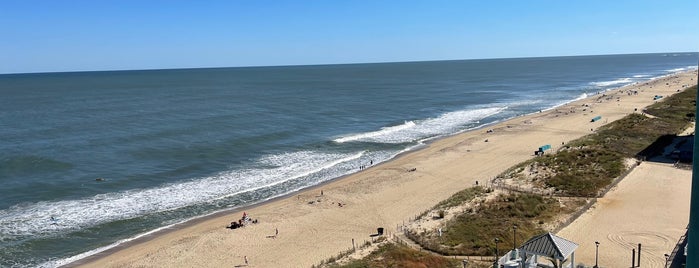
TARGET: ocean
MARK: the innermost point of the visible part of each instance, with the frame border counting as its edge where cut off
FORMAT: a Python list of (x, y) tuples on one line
[(89, 160)]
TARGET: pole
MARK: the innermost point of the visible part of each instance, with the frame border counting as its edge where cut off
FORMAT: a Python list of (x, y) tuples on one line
[(514, 237), (497, 254), (638, 263), (633, 257), (693, 230), (596, 253)]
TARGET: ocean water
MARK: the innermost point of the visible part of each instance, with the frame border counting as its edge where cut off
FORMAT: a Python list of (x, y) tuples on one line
[(170, 145)]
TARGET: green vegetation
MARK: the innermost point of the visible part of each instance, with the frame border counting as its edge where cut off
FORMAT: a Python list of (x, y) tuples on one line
[(581, 172), (632, 135), (473, 233), (393, 255), (679, 107), (461, 197), (591, 162)]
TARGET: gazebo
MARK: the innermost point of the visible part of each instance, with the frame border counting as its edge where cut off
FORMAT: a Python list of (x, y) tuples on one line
[(548, 245)]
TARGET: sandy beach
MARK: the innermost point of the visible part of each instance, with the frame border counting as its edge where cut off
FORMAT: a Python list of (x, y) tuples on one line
[(313, 227)]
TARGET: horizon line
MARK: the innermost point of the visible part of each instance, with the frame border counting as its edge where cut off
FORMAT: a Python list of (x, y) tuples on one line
[(332, 64)]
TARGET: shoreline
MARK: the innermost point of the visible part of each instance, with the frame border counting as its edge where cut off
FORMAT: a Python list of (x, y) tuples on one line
[(442, 145)]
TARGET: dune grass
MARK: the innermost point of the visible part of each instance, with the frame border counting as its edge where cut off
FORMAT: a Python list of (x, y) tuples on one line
[(394, 255), (461, 197), (591, 162), (473, 233), (631, 135)]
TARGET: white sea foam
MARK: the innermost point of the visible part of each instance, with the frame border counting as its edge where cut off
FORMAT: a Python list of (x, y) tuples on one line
[(386, 131), (676, 70), (641, 75), (284, 163), (413, 131), (582, 96), (34, 219), (625, 80)]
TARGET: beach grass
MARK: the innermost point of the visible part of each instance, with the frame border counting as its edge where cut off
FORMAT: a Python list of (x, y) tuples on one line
[(678, 107), (587, 165), (395, 255), (461, 197), (473, 233), (583, 172), (638, 135)]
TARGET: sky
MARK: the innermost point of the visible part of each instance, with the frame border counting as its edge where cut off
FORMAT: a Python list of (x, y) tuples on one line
[(76, 35)]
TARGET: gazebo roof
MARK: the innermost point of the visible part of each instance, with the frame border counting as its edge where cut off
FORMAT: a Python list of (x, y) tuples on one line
[(550, 245)]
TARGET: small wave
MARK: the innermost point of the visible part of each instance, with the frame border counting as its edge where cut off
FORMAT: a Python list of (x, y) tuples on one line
[(612, 82), (525, 102), (413, 131), (386, 131), (641, 75), (291, 166), (34, 219), (676, 70), (580, 97)]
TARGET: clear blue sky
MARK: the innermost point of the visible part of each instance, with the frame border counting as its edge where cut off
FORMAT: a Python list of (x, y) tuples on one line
[(50, 36)]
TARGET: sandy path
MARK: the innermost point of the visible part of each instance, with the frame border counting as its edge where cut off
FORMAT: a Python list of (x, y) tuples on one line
[(381, 196)]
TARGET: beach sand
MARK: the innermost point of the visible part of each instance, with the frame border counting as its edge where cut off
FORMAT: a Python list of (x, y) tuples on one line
[(649, 206), (314, 227)]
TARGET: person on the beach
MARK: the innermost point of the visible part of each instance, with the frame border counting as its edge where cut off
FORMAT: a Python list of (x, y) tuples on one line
[(246, 260), (276, 232)]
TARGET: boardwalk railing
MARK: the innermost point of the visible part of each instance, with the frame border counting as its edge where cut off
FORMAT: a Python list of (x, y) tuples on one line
[(677, 256)]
